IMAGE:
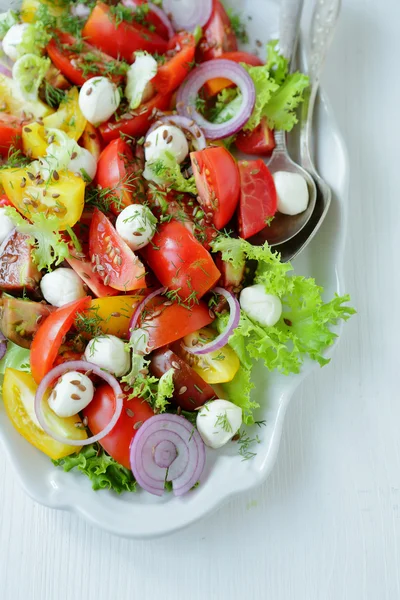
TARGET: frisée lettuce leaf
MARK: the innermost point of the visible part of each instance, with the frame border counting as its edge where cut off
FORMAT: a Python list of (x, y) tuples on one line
[(304, 329)]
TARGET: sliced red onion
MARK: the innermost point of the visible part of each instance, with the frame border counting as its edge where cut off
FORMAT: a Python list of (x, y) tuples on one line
[(6, 64), (198, 137), (3, 246), (212, 69), (157, 11), (78, 365), (222, 339), (3, 345), (139, 309), (188, 14), (167, 448)]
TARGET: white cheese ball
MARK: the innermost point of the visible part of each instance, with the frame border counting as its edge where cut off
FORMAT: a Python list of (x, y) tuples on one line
[(12, 40), (264, 308), (109, 352), (218, 421), (73, 392), (136, 225), (99, 98), (292, 192), (6, 225), (61, 287), (83, 162), (166, 138)]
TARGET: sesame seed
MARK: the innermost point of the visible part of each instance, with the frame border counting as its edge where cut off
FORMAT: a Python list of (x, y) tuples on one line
[(107, 280), (175, 365), (182, 390), (212, 315), (85, 421)]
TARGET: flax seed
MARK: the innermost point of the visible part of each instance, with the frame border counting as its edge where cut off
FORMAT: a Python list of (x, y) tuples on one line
[(30, 175), (107, 280), (23, 182), (55, 195), (85, 421), (182, 390), (129, 412), (56, 175), (75, 397), (137, 425), (175, 365), (90, 90), (74, 155)]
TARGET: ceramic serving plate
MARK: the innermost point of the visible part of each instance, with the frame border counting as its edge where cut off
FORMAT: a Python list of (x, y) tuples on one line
[(141, 515)]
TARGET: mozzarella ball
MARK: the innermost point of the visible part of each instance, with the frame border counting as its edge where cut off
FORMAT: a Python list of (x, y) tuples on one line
[(6, 225), (99, 98), (136, 225), (109, 352), (292, 192), (218, 421), (61, 287), (73, 392), (12, 40), (83, 162), (166, 138), (264, 308)]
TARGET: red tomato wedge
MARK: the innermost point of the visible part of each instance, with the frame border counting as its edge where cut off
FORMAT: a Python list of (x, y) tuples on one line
[(84, 268), (259, 142), (153, 21), (48, 339), (166, 323), (170, 75), (140, 122), (258, 199), (120, 169), (218, 183), (123, 39), (4, 201), (215, 86), (116, 263), (219, 36), (79, 61), (10, 133), (180, 262), (99, 413)]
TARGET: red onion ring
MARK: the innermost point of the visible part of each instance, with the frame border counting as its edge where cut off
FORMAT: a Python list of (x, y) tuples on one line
[(167, 448), (157, 11), (139, 309), (188, 14), (222, 339), (6, 64), (199, 140), (80, 10), (3, 345), (212, 69), (78, 365)]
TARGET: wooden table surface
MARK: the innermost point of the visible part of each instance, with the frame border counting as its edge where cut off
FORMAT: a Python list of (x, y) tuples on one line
[(326, 524)]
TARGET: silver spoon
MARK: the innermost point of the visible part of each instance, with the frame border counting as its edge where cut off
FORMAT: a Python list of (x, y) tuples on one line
[(323, 24), (284, 227)]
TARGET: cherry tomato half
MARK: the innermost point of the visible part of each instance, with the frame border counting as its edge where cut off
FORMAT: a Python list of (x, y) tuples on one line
[(10, 133), (48, 339), (258, 199), (99, 413), (180, 262), (219, 36), (180, 55), (140, 122), (120, 39), (259, 142), (218, 184), (120, 267), (120, 170)]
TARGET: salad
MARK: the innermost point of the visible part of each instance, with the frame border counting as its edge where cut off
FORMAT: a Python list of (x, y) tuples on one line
[(133, 303)]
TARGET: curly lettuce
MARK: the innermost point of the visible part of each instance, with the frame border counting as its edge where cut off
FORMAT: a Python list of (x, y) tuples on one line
[(166, 171), (102, 470), (304, 329), (49, 247)]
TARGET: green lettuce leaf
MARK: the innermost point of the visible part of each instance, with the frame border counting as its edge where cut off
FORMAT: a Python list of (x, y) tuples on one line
[(103, 471), (278, 94), (7, 20), (34, 39), (239, 392), (304, 329), (165, 391), (49, 246), (15, 358)]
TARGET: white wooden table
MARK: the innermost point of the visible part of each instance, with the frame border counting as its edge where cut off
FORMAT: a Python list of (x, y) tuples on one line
[(327, 523)]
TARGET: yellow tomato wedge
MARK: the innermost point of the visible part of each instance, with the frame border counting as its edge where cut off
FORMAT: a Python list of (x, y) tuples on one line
[(29, 9), (219, 366), (91, 140), (34, 140), (69, 117), (63, 197), (19, 390), (112, 315)]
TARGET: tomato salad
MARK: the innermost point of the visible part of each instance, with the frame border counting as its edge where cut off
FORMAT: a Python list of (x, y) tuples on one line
[(133, 306)]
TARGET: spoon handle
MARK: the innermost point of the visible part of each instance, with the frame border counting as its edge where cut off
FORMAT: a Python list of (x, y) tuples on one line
[(289, 27), (323, 25)]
